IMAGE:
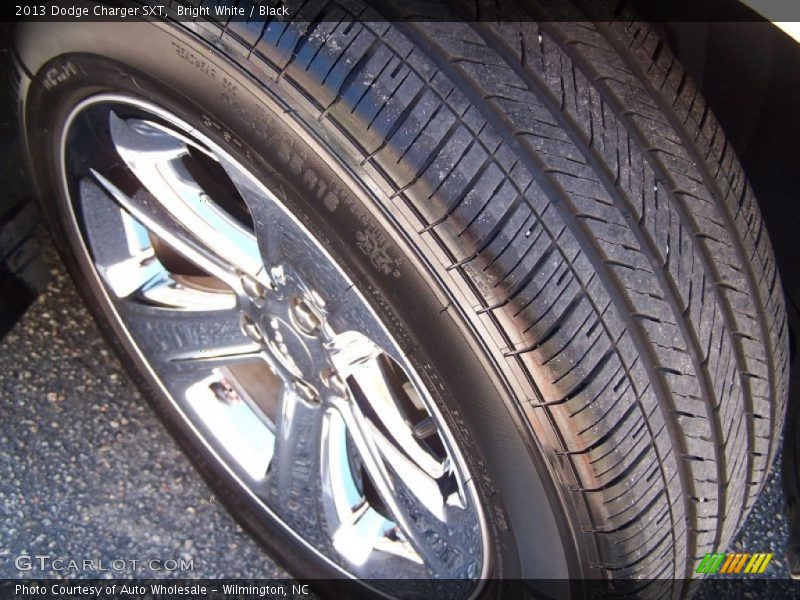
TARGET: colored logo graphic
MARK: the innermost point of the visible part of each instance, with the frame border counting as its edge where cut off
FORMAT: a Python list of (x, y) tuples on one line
[(733, 563)]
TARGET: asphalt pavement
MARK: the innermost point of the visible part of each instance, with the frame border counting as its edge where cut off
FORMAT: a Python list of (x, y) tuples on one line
[(88, 472)]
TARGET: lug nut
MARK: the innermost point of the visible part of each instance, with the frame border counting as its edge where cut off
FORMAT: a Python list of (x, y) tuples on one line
[(250, 329), (334, 382), (278, 275), (317, 299), (306, 391), (253, 288), (304, 317)]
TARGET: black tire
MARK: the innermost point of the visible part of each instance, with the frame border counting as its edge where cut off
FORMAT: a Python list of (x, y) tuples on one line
[(614, 343)]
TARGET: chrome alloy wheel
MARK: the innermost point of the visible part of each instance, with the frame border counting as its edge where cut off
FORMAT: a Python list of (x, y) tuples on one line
[(267, 349)]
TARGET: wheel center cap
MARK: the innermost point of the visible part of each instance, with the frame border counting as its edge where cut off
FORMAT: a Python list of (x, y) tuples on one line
[(287, 345)]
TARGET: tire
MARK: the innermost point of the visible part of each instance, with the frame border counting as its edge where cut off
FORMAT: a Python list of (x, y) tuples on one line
[(584, 273)]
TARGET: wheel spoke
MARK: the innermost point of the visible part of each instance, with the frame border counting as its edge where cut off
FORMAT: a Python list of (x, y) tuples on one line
[(121, 247), (393, 491), (184, 293), (175, 206), (213, 357), (357, 536), (285, 247), (293, 484), (148, 212), (359, 430), (421, 484), (188, 341), (127, 261), (269, 220), (405, 474), (346, 315), (358, 360)]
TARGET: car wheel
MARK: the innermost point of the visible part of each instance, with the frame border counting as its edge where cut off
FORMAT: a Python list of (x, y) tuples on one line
[(427, 300)]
